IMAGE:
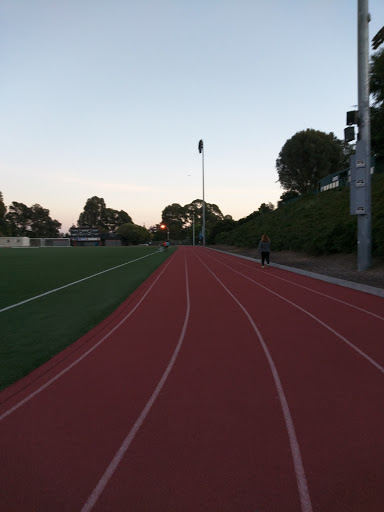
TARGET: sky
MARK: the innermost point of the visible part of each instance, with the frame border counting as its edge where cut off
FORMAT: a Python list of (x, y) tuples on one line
[(110, 98)]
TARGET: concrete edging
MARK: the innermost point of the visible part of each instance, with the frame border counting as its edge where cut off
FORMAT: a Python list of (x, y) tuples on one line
[(334, 280)]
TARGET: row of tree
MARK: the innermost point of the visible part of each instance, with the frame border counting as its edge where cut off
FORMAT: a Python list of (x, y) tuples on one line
[(178, 221), (21, 220)]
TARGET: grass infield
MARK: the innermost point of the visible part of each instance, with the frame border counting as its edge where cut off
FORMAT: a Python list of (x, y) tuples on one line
[(33, 332)]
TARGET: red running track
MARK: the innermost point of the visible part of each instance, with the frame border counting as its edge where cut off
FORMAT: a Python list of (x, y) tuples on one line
[(217, 386)]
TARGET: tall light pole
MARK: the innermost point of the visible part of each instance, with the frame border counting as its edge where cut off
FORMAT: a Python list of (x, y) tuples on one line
[(201, 150), (363, 145), (193, 229)]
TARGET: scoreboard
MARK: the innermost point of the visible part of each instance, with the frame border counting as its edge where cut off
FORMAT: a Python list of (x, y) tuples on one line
[(85, 234)]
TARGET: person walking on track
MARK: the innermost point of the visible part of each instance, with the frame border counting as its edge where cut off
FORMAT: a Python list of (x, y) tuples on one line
[(264, 249)]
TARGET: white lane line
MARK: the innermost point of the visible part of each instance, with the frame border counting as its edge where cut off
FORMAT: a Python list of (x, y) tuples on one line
[(74, 282), (301, 480), (131, 435), (314, 291), (354, 347), (63, 372)]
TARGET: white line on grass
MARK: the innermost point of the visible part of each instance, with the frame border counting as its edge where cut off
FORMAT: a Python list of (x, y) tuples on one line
[(74, 282), (305, 499), (131, 435), (63, 372)]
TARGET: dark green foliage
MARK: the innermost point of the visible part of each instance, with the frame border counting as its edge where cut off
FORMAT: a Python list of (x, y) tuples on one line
[(378, 215), (33, 221), (223, 226), (132, 234), (309, 156), (180, 219), (3, 211), (376, 78), (377, 111), (174, 216), (315, 224), (96, 214), (288, 196)]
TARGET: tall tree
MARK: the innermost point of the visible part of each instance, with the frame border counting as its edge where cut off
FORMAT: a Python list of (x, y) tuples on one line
[(377, 110), (41, 224), (93, 211), (33, 221), (307, 157), (174, 217), (111, 219), (3, 211), (19, 219), (96, 214), (213, 215)]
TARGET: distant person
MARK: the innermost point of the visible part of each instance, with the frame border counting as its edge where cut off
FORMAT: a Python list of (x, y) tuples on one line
[(168, 244), (165, 246), (264, 249)]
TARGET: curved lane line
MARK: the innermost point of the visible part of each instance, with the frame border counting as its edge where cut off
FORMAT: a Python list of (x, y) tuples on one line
[(363, 354), (136, 427), (74, 282), (315, 291), (63, 372), (302, 485)]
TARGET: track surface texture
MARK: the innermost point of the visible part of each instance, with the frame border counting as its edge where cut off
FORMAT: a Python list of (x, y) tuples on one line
[(216, 386)]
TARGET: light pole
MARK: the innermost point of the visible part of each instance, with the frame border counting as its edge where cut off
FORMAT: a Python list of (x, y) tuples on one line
[(193, 229), (201, 150), (164, 226), (363, 146)]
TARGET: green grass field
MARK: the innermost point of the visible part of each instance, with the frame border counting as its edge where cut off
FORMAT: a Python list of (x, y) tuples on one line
[(33, 332)]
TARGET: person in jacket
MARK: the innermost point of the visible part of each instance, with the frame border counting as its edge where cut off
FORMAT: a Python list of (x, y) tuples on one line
[(264, 249)]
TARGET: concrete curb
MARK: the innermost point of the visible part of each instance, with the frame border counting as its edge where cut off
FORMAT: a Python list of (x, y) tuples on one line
[(334, 280)]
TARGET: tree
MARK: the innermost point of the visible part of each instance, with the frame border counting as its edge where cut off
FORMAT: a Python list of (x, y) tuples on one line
[(33, 221), (194, 210), (133, 234), (377, 110), (112, 219), (3, 211), (223, 226), (307, 157), (93, 211), (18, 219), (376, 79), (96, 214), (175, 218), (41, 224), (266, 208), (287, 196), (179, 220)]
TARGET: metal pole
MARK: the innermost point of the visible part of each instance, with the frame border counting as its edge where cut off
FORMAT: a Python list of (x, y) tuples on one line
[(193, 229), (203, 227), (364, 222)]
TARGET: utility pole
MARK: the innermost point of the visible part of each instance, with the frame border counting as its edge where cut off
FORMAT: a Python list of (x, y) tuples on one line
[(201, 150), (362, 167)]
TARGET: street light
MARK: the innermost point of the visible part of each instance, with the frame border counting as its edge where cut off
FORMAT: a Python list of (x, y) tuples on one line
[(164, 226)]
